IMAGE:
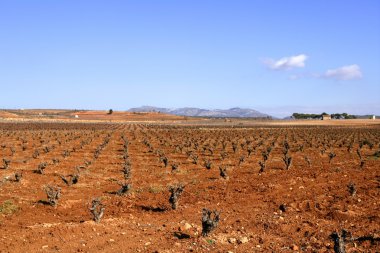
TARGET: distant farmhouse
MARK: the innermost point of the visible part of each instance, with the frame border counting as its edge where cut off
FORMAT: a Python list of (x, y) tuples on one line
[(326, 116), (373, 117)]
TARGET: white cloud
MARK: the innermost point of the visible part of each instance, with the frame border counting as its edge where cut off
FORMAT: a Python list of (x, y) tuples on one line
[(350, 72), (285, 63)]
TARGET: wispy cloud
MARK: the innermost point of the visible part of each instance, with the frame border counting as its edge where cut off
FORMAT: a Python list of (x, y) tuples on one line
[(345, 73), (286, 63), (349, 72)]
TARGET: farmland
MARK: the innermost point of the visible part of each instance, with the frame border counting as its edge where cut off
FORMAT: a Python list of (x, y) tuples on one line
[(275, 187)]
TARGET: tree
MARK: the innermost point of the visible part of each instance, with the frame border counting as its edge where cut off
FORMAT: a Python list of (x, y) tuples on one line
[(110, 111)]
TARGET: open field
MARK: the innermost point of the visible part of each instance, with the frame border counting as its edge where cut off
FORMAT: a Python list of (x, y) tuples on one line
[(279, 186), (92, 116), (83, 115)]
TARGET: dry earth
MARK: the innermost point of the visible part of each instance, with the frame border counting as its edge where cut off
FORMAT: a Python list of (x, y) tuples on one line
[(277, 210)]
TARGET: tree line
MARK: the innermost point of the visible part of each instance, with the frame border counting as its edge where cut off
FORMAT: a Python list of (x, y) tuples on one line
[(318, 116)]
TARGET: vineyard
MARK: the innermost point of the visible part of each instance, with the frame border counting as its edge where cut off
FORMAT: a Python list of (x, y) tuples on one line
[(112, 187)]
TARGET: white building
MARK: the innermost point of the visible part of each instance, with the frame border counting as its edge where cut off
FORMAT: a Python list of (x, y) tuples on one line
[(326, 117)]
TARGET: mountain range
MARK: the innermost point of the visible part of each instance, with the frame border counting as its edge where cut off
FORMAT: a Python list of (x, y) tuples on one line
[(197, 112)]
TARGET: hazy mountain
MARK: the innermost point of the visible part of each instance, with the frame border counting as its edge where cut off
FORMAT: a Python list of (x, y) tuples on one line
[(197, 112), (149, 109)]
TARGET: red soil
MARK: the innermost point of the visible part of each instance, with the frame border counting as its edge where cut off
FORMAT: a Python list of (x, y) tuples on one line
[(316, 198)]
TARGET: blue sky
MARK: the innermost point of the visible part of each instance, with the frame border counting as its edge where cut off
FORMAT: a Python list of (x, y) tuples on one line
[(275, 56)]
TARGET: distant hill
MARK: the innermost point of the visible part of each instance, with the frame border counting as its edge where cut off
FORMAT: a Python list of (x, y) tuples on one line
[(197, 112)]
